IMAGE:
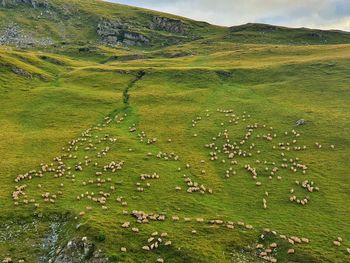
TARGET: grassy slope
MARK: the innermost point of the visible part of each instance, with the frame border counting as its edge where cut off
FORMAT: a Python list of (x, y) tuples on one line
[(274, 84)]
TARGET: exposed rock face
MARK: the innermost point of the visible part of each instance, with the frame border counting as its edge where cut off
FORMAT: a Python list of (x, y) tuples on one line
[(167, 24), (14, 35), (114, 32), (21, 72), (135, 39), (300, 122), (79, 252), (110, 31), (33, 3)]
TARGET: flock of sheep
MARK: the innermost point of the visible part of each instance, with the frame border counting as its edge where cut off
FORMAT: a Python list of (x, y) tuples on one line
[(238, 155)]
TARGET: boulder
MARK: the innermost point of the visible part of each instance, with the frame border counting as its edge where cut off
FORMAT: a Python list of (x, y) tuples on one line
[(300, 122)]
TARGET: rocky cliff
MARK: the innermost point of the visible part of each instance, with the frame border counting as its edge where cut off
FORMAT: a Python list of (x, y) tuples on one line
[(6, 3), (114, 32), (167, 24)]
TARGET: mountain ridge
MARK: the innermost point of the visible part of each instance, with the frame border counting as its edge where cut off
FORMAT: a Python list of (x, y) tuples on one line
[(94, 21)]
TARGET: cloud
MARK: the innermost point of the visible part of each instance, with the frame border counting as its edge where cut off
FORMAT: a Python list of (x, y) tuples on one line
[(325, 14)]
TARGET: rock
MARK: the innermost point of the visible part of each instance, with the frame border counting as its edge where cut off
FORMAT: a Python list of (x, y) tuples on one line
[(12, 34), (79, 252), (167, 24), (115, 32), (135, 39), (21, 72), (33, 3), (300, 122), (111, 32)]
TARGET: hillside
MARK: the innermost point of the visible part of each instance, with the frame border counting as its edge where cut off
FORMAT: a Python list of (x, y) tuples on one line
[(182, 148), (58, 24)]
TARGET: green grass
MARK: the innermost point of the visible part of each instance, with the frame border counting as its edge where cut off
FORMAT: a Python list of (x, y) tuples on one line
[(276, 85)]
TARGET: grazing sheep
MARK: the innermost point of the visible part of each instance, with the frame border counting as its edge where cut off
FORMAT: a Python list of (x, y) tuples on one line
[(146, 248), (305, 240), (337, 243), (126, 224), (291, 251)]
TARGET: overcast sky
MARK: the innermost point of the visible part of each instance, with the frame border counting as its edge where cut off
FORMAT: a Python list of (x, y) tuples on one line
[(324, 14)]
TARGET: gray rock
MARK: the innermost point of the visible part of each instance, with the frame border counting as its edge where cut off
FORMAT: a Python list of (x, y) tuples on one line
[(79, 252), (33, 3), (21, 72), (300, 122), (167, 24), (114, 32), (12, 34)]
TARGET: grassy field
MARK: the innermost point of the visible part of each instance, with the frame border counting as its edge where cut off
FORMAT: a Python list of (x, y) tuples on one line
[(235, 103)]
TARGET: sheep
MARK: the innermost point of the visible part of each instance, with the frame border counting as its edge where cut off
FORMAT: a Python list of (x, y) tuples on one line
[(123, 249), (291, 251), (126, 225), (337, 243), (146, 248), (273, 245), (259, 246)]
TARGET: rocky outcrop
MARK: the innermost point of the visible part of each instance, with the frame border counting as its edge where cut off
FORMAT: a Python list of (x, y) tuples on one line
[(114, 32), (167, 24), (79, 252), (14, 35), (21, 72), (33, 3), (110, 32), (135, 39)]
